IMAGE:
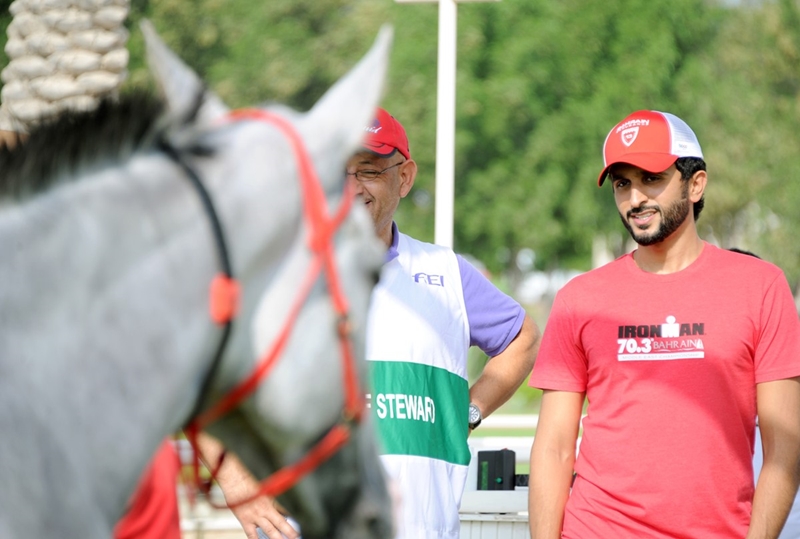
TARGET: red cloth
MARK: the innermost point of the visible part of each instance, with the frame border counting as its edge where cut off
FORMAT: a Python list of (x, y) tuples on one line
[(154, 509), (669, 364)]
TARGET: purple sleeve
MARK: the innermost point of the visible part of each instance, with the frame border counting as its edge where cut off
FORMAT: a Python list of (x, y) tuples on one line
[(494, 318)]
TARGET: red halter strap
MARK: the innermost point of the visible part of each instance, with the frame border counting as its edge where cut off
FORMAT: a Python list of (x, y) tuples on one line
[(322, 226)]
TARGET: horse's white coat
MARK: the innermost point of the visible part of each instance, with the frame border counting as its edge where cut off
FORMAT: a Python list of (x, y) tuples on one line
[(104, 333)]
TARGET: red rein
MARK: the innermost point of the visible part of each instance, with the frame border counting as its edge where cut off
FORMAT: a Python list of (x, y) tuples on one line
[(224, 297)]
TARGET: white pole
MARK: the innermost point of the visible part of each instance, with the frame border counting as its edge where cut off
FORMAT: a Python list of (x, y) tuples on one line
[(445, 124), (445, 119)]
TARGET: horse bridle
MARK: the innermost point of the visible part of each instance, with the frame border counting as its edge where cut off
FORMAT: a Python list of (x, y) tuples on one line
[(224, 300)]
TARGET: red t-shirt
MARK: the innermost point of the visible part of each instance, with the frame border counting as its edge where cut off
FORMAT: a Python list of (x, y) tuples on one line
[(154, 508), (669, 365)]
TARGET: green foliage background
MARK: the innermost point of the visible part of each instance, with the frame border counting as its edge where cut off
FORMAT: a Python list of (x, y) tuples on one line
[(540, 83)]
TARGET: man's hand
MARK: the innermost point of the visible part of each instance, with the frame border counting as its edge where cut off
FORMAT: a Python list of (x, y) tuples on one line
[(238, 485), (264, 513)]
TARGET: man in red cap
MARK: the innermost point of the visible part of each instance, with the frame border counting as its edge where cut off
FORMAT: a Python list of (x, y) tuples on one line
[(677, 346), (429, 307)]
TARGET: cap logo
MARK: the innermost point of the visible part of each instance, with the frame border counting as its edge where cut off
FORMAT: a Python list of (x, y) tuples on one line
[(629, 135), (630, 123), (374, 128)]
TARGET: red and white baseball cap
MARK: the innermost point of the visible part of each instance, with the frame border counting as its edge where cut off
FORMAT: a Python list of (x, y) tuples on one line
[(650, 140), (385, 135)]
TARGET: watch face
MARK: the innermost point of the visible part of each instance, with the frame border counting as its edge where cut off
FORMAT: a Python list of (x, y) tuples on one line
[(474, 414)]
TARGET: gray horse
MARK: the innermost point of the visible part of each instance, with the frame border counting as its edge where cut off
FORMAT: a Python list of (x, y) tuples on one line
[(106, 346)]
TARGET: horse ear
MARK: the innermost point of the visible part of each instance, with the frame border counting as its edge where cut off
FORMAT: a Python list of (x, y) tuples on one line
[(183, 90), (353, 99)]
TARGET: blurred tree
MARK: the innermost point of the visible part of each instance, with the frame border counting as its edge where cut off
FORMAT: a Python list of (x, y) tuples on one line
[(533, 114), (5, 20), (249, 52), (540, 83), (411, 97), (747, 99)]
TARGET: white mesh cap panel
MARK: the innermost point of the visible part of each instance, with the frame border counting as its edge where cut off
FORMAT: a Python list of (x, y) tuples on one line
[(684, 141)]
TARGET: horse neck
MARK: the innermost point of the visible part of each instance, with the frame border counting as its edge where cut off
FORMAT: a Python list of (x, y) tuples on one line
[(114, 270)]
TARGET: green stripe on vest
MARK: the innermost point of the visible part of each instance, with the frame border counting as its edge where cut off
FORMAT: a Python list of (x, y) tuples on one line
[(420, 410)]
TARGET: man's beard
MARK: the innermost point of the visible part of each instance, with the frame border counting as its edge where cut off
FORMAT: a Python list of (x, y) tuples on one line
[(671, 218)]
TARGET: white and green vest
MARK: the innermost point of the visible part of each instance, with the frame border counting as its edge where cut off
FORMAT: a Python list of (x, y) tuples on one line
[(417, 342)]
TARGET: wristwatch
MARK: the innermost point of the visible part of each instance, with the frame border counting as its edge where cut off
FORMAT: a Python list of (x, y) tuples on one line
[(475, 416)]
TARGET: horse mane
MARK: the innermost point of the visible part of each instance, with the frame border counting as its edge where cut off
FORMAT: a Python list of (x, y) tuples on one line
[(58, 149)]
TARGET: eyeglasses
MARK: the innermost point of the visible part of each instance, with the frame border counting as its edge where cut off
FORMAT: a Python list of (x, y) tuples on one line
[(369, 175)]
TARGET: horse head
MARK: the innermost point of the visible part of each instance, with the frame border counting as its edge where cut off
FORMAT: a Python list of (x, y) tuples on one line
[(305, 394), (113, 223)]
